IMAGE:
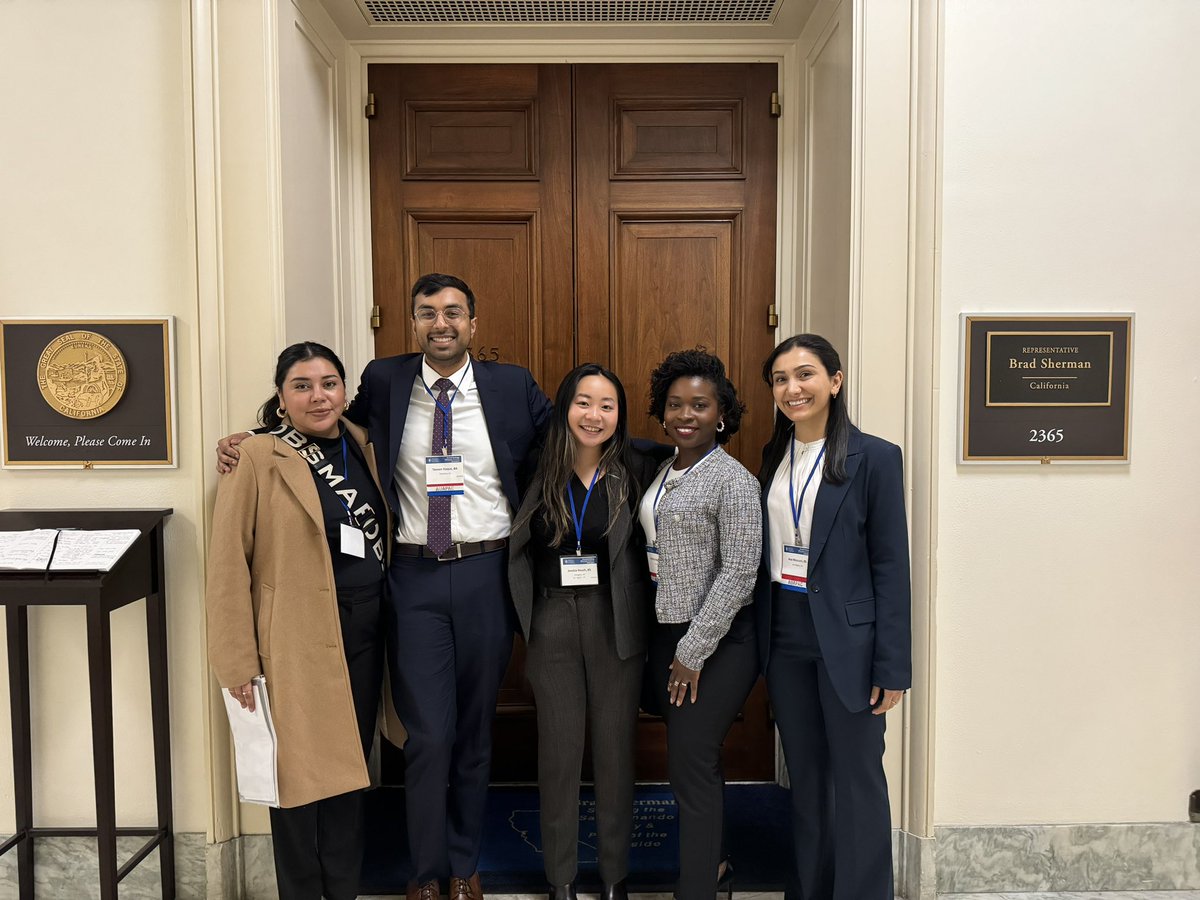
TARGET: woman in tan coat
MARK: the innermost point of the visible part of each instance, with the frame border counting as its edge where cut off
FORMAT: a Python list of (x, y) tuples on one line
[(295, 576)]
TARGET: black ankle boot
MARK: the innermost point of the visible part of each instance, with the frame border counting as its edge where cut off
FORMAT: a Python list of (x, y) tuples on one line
[(563, 891), (616, 891)]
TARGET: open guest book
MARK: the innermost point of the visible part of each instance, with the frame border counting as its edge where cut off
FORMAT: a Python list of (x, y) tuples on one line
[(64, 549)]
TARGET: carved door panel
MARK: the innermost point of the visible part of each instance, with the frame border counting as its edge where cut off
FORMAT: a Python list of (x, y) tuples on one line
[(600, 213), (675, 224), (471, 175)]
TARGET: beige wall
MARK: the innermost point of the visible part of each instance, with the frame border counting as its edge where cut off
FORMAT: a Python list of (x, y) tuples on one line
[(96, 188), (1067, 612)]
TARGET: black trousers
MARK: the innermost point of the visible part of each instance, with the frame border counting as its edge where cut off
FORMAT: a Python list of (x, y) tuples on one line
[(695, 732), (319, 846), (577, 678), (842, 824), (450, 634)]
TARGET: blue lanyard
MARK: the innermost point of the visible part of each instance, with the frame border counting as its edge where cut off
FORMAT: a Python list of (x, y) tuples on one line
[(346, 480), (446, 409), (578, 518), (792, 484), (663, 483)]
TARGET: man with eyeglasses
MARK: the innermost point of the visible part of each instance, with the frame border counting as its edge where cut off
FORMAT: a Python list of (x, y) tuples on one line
[(455, 433)]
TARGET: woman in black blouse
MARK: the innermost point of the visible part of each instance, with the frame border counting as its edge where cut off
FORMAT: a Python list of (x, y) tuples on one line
[(580, 585)]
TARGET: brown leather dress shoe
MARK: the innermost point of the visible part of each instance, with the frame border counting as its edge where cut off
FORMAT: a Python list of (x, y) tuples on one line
[(465, 888), (427, 891)]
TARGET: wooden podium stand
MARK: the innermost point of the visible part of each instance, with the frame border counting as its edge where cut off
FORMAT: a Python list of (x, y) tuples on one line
[(139, 573)]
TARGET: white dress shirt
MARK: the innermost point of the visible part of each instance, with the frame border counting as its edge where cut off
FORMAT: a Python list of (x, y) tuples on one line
[(483, 512), (779, 505)]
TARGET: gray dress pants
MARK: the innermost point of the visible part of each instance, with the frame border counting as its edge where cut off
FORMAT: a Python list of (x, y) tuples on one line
[(578, 679)]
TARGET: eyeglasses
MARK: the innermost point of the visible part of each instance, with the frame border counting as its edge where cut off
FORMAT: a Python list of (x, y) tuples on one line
[(451, 314)]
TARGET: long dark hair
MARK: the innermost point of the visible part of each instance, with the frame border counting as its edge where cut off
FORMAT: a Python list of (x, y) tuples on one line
[(837, 426), (557, 461), (268, 415), (697, 363)]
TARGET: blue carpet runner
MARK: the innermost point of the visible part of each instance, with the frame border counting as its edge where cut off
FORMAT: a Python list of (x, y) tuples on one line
[(757, 820)]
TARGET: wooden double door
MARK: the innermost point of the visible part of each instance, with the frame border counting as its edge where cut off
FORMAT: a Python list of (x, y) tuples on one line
[(600, 213)]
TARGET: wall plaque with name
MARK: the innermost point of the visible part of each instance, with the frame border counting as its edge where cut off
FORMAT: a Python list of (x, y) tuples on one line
[(82, 393), (1045, 388)]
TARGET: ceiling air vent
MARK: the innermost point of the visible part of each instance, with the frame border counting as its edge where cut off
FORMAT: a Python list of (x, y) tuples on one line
[(567, 12)]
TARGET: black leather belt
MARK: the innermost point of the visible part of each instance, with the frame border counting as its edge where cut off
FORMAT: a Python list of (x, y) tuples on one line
[(455, 551)]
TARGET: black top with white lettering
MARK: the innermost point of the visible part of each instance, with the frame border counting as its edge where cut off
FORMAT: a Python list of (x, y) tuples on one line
[(349, 497), (595, 521)]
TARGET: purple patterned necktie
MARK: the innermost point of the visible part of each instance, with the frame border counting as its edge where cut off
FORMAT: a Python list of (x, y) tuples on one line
[(438, 535)]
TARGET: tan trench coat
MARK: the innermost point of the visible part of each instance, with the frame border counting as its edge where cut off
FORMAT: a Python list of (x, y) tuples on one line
[(272, 609)]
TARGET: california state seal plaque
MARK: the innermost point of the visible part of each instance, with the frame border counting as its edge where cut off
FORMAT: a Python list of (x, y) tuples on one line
[(81, 374)]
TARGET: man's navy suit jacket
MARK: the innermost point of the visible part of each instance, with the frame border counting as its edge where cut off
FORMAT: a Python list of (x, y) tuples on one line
[(858, 575), (514, 407)]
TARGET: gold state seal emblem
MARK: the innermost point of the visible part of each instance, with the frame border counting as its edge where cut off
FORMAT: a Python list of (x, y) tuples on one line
[(81, 374)]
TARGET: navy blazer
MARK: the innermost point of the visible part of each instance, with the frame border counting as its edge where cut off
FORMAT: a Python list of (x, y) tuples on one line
[(858, 575), (514, 407)]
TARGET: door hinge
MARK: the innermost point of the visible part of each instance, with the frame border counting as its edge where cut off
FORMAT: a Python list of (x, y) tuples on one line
[(369, 109), (772, 316), (374, 316), (776, 106)]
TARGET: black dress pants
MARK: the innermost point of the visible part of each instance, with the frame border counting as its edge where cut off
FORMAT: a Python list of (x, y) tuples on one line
[(695, 732), (577, 679), (319, 846), (842, 824)]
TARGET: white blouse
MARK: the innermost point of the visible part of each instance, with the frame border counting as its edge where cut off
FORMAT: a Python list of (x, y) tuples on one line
[(781, 529), (653, 493)]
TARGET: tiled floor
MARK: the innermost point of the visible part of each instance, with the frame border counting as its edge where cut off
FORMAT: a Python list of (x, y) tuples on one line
[(1104, 895)]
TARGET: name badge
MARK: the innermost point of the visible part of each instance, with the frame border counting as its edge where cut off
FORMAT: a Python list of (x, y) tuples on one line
[(353, 542), (652, 562), (444, 475), (793, 574), (579, 571)]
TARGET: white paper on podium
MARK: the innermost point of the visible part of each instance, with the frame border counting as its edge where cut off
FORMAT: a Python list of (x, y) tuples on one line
[(254, 746), (91, 551), (28, 550)]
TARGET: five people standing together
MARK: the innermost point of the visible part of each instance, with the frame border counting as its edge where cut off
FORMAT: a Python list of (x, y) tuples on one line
[(627, 563)]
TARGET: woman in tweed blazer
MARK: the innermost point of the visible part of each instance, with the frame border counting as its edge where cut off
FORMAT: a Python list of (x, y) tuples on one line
[(702, 517)]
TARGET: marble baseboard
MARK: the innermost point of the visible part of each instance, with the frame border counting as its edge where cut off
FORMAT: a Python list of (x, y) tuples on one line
[(1034, 858), (913, 863), (959, 860), (67, 867)]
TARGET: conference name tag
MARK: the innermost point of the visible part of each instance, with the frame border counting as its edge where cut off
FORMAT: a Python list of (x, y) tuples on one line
[(793, 575), (579, 571), (652, 562), (444, 475), (353, 541)]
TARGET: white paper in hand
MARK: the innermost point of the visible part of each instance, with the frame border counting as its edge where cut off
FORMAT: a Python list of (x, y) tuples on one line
[(254, 746)]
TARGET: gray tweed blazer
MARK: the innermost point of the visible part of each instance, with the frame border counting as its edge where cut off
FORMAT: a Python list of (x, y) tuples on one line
[(709, 545)]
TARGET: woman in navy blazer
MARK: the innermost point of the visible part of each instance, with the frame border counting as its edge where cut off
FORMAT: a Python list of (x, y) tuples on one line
[(833, 614)]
